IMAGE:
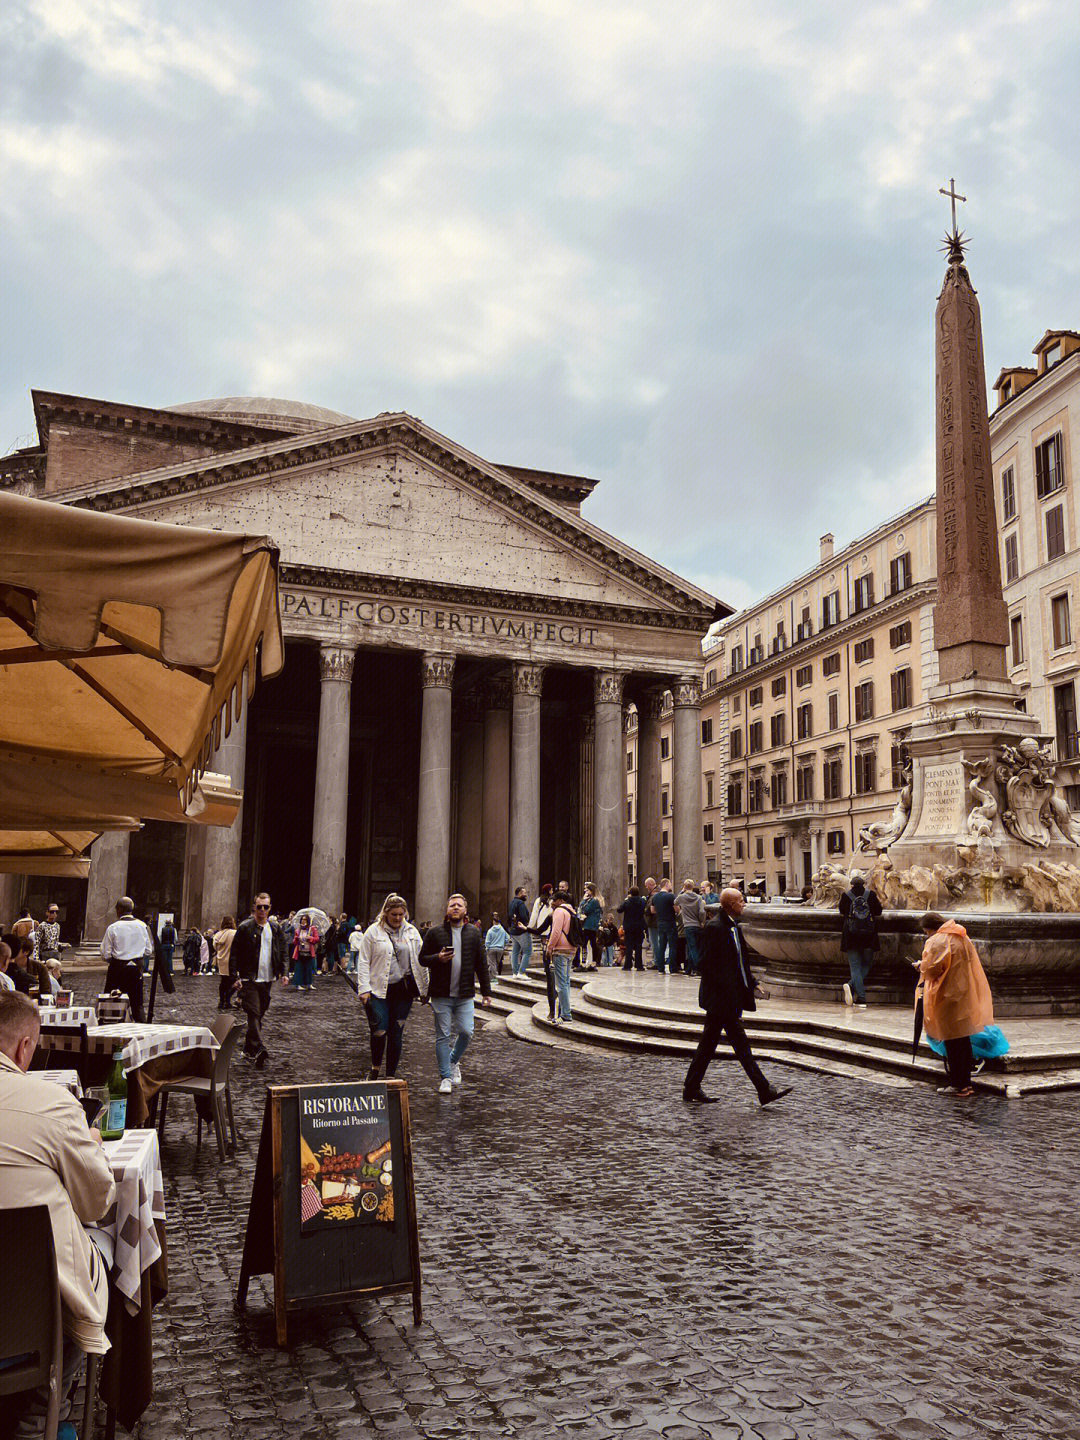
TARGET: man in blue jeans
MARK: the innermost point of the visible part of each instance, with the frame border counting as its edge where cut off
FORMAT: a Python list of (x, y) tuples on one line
[(663, 904), (520, 935), (454, 954)]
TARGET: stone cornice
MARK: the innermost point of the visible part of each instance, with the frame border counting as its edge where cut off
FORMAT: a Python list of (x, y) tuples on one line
[(351, 582), (803, 650), (402, 432), (50, 408)]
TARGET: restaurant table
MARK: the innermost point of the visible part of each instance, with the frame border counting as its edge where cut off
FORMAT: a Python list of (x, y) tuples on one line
[(113, 1007), (150, 1055), (68, 1078), (68, 1015), (134, 1229)]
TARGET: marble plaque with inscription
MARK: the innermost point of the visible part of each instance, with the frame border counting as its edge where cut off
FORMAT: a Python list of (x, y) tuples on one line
[(944, 799)]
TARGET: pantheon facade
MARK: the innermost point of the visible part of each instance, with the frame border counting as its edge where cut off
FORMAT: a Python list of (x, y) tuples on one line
[(461, 651)]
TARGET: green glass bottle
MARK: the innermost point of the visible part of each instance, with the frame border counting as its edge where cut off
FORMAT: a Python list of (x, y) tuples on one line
[(116, 1114)]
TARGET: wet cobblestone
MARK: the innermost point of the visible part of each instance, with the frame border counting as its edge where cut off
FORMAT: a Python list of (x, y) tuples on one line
[(859, 1262)]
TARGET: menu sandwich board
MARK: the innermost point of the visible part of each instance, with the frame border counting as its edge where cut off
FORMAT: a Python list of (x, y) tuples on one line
[(333, 1207)]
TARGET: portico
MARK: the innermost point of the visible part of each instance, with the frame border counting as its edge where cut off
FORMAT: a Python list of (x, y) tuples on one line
[(461, 647)]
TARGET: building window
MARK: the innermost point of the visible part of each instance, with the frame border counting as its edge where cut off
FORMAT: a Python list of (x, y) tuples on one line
[(804, 781), (710, 679), (759, 847), (706, 731), (629, 810), (629, 842), (900, 573), (1049, 474), (830, 609), (755, 795), (1008, 494), (736, 704), (804, 675), (898, 764), (1012, 558), (834, 711), (1016, 639), (757, 736), (779, 644), (864, 650), (629, 760), (779, 846), (864, 593), (901, 689), (665, 747), (805, 627), (778, 729), (665, 803), (740, 853), (664, 840), (736, 663), (832, 778), (865, 772), (779, 686), (709, 801), (756, 695), (804, 721), (1068, 742), (1055, 532), (834, 842), (665, 869), (1059, 615), (736, 745), (708, 834), (864, 701), (779, 788), (1052, 354), (831, 665), (734, 798), (900, 635)]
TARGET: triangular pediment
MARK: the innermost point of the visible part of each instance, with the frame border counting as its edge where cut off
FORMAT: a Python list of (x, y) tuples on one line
[(391, 498)]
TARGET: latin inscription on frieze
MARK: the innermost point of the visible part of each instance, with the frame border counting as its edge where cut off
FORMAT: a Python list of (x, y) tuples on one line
[(398, 615), (944, 795)]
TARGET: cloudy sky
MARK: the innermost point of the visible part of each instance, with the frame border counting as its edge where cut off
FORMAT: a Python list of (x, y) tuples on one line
[(690, 250)]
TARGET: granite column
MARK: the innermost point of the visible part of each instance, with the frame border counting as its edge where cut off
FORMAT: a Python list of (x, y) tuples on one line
[(525, 779), (686, 781), (609, 786), (433, 807), (221, 863), (327, 887), (495, 838), (649, 851), (107, 882)]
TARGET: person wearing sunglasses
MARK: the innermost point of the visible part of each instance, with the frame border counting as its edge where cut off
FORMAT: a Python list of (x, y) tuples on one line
[(256, 960)]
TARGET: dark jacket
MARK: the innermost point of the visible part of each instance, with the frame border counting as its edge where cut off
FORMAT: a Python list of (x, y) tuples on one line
[(855, 942), (663, 904), (244, 955), (591, 912), (724, 989), (519, 916), (632, 910), (473, 961)]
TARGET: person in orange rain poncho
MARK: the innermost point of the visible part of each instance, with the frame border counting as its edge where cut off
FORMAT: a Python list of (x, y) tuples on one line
[(956, 995)]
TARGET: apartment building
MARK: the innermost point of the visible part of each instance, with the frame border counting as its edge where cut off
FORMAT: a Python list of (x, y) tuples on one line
[(807, 700), (1034, 444)]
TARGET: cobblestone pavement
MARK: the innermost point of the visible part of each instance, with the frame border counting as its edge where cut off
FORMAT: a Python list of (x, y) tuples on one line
[(860, 1261)]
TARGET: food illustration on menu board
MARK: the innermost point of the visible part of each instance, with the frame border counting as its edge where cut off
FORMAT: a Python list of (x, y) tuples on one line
[(346, 1165)]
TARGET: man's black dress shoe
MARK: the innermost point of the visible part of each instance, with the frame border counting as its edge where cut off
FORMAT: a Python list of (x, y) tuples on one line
[(699, 1098), (775, 1095)]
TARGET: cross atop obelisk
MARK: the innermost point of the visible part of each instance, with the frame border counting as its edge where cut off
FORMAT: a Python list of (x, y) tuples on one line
[(951, 192)]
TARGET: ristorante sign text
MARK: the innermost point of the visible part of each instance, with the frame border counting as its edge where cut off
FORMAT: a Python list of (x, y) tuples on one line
[(297, 603)]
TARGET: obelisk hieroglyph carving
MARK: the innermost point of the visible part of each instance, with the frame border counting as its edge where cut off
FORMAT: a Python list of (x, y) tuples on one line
[(970, 618)]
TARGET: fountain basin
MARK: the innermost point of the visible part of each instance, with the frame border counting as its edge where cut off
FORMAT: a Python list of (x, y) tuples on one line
[(1031, 960)]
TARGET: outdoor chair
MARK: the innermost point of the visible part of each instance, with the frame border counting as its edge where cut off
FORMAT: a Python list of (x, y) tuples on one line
[(113, 1009), (214, 1089), (31, 1328), (223, 1025), (64, 1059)]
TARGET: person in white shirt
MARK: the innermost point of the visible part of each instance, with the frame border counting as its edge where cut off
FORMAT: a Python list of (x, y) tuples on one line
[(125, 946), (6, 982)]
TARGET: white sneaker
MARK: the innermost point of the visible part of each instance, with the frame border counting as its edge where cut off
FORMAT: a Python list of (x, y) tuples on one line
[(455, 1075), (445, 1087), (861, 1005), (847, 995)]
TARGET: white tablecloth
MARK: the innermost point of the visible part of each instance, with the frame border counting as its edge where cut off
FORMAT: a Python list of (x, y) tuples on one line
[(69, 1078), (136, 1041), (140, 1200), (69, 1015)]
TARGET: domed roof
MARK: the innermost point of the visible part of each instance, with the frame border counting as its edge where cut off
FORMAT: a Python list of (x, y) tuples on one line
[(291, 416)]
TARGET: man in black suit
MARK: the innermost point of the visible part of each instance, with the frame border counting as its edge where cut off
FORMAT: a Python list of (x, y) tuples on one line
[(256, 960), (726, 990)]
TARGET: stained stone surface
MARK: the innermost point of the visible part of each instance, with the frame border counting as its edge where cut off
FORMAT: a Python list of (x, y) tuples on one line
[(598, 1261)]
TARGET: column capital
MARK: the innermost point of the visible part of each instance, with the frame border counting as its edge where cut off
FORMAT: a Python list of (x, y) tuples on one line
[(686, 692), (437, 671), (651, 704), (608, 686), (336, 663), (497, 694), (528, 679)]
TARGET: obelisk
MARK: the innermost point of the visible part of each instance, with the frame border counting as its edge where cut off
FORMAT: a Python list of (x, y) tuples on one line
[(971, 628)]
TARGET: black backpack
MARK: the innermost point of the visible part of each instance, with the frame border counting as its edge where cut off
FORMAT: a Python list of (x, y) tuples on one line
[(860, 918), (575, 932)]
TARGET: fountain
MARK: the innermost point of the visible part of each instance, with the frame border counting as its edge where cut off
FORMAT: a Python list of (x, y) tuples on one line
[(980, 829)]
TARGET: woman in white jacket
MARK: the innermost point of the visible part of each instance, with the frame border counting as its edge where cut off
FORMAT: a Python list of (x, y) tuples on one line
[(388, 979)]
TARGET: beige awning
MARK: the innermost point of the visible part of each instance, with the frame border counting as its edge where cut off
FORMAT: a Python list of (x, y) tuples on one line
[(124, 647), (46, 852)]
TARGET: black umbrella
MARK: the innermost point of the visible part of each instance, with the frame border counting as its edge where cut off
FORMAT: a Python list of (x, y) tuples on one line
[(918, 1020)]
